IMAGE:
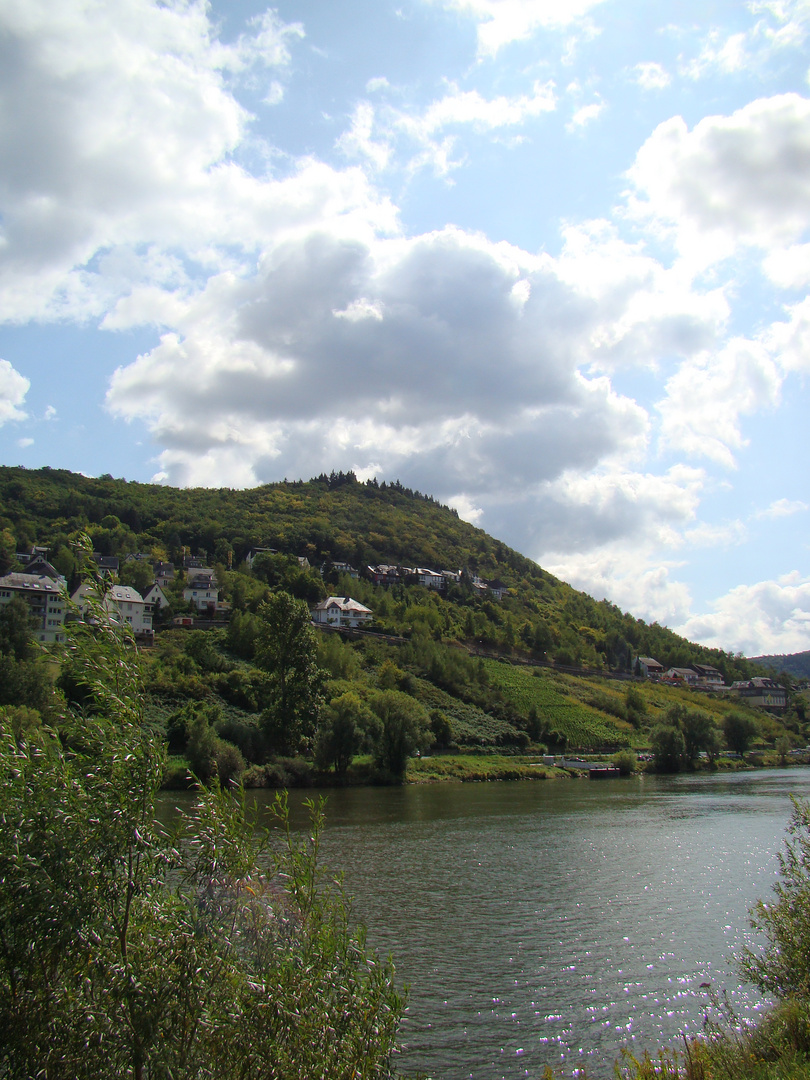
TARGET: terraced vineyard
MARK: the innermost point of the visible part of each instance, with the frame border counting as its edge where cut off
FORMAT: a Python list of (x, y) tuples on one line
[(583, 726)]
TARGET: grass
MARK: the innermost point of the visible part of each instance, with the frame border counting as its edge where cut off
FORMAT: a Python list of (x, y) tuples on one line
[(477, 768)]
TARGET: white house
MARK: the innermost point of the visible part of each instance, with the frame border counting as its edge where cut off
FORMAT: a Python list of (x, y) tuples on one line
[(155, 597), (123, 604), (429, 578), (46, 601), (682, 675), (202, 593), (341, 611)]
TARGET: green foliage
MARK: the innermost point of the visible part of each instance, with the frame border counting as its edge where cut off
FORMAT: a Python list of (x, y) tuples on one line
[(403, 728), (286, 650), (345, 727), (782, 968), (130, 953), (625, 761), (537, 688), (739, 731), (668, 747)]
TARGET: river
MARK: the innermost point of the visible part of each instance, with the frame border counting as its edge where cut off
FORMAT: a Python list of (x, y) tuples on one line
[(553, 923)]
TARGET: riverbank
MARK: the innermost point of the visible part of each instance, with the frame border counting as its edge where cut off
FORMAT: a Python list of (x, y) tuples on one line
[(444, 769)]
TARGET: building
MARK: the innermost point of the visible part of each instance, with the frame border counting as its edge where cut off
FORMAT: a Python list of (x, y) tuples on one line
[(123, 604), (341, 611), (46, 601), (709, 676), (649, 668), (155, 597), (682, 675), (762, 692), (164, 573), (384, 574), (203, 594)]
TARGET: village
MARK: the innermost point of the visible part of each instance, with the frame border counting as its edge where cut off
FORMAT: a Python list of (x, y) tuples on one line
[(45, 591)]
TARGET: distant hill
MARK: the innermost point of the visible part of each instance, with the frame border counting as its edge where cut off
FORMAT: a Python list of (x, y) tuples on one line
[(337, 518), (795, 664)]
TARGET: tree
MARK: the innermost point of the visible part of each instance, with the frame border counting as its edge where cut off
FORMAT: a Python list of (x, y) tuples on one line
[(286, 648), (668, 747), (739, 731), (130, 953), (782, 968), (404, 727), (345, 726), (698, 732)]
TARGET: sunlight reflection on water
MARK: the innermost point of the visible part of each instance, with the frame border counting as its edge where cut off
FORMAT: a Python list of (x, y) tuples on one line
[(554, 923)]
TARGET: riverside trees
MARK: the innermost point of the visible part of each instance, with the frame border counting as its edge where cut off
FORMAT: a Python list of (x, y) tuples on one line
[(126, 952)]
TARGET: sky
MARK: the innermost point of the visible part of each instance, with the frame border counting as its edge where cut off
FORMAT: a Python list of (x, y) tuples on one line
[(548, 262)]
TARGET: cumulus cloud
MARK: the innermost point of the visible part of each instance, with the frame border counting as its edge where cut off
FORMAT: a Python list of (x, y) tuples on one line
[(501, 22), (651, 76), (401, 352), (765, 618), (94, 157), (732, 180), (708, 395), (13, 388)]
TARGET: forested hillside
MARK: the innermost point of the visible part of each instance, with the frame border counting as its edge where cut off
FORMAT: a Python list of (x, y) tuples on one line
[(336, 518), (795, 664), (259, 693)]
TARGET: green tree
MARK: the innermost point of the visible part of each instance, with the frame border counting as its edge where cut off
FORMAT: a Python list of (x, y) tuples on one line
[(739, 731), (404, 728), (344, 728), (782, 968), (286, 648), (698, 733), (130, 953), (668, 747)]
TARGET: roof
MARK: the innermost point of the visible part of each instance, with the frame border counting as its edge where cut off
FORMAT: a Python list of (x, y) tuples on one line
[(29, 583), (345, 603), (118, 593)]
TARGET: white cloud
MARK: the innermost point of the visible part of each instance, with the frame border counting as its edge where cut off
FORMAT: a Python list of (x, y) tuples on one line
[(765, 618), (710, 392), (733, 180), (790, 341), (401, 334), (790, 267), (783, 508), (500, 22), (784, 26), (25, 443), (13, 388), (651, 76), (95, 158), (429, 137), (585, 115)]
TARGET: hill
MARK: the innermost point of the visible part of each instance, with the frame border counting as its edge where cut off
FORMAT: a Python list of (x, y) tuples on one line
[(528, 665), (330, 519), (795, 664)]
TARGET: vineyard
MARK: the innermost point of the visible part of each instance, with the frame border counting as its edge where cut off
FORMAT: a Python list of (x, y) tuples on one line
[(542, 691)]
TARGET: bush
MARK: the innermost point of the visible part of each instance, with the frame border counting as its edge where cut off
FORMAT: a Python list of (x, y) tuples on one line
[(129, 953)]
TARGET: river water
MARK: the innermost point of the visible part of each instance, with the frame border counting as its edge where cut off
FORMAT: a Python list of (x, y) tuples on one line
[(553, 923)]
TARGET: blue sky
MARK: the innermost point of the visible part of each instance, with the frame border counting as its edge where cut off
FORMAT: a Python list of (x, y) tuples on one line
[(548, 261)]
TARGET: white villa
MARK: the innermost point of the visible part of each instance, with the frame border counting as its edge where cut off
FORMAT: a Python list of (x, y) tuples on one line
[(341, 611), (123, 604)]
